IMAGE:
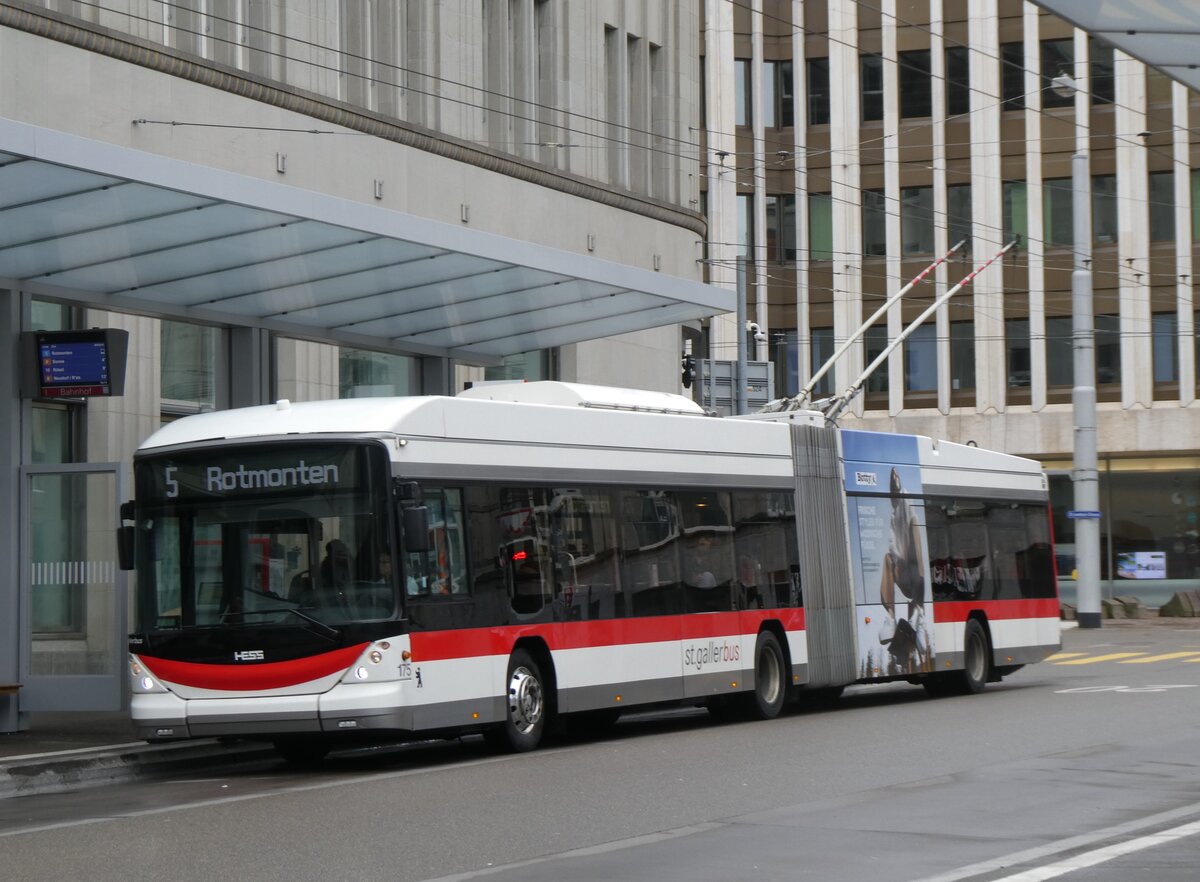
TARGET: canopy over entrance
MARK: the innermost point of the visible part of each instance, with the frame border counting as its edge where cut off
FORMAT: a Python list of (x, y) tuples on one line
[(1160, 33), (117, 228)]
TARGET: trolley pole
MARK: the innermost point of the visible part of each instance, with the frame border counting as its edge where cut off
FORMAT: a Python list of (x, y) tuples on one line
[(739, 398), (1083, 402)]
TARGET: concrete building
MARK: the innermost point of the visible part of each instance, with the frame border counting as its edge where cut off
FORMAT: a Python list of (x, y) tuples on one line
[(850, 144), (310, 199)]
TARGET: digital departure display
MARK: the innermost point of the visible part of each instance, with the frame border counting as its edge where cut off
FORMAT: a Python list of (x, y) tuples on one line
[(74, 364), (70, 369)]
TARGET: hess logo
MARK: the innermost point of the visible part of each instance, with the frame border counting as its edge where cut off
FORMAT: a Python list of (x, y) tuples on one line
[(248, 655)]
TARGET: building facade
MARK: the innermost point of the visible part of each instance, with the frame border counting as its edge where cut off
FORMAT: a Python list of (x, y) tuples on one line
[(850, 145), (555, 128)]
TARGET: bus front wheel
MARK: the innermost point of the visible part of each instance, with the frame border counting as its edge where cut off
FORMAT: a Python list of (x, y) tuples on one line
[(525, 706)]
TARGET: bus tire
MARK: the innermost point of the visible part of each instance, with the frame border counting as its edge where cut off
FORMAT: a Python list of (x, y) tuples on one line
[(305, 752), (770, 678), (977, 661), (525, 706), (977, 666)]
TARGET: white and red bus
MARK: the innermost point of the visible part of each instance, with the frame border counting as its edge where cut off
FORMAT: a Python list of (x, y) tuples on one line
[(526, 553)]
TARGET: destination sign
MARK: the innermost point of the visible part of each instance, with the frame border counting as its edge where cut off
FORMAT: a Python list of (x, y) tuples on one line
[(252, 472)]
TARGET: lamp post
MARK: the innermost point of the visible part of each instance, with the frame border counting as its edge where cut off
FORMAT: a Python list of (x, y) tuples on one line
[(1083, 404)]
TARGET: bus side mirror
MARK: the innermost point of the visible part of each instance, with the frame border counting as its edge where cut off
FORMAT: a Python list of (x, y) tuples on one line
[(125, 547), (415, 521)]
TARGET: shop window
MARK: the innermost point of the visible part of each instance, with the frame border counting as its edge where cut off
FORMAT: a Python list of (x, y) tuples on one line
[(538, 364)]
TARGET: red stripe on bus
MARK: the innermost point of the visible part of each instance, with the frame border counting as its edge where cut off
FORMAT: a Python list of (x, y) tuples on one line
[(1027, 608), (475, 642), (253, 677)]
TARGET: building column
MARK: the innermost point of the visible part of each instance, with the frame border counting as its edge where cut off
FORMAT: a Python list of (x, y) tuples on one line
[(14, 309)]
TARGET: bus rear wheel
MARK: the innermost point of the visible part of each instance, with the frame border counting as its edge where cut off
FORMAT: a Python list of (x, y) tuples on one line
[(525, 706), (770, 679), (977, 666)]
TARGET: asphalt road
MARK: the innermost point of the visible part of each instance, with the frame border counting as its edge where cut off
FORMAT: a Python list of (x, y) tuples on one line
[(1081, 768)]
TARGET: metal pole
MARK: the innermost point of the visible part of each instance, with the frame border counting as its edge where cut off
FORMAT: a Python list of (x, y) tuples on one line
[(806, 392), (835, 407), (1083, 403), (739, 379)]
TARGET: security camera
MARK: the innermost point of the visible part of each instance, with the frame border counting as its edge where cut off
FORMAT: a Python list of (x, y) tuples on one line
[(760, 335)]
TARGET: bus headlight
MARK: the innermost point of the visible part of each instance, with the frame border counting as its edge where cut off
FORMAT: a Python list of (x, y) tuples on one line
[(141, 682), (361, 672)]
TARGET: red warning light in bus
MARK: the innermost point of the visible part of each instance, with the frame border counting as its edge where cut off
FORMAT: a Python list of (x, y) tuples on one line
[(520, 555)]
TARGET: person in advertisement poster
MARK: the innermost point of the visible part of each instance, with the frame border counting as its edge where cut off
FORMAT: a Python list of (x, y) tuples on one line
[(904, 631)]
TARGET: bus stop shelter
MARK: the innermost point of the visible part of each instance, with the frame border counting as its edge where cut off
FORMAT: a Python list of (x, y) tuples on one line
[(102, 226)]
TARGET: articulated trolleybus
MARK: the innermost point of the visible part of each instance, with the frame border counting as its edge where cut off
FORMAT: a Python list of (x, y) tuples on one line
[(525, 553)]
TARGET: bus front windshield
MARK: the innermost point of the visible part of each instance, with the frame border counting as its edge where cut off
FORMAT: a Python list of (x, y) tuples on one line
[(262, 535)]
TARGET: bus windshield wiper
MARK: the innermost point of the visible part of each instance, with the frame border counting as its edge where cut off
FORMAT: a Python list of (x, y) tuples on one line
[(327, 631)]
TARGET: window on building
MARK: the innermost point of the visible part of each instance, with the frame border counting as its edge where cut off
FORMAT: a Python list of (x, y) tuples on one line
[(962, 356), (916, 220), (538, 364), (781, 228), (871, 78), (1162, 206), (745, 219), (1165, 343), (1108, 350), (1158, 87), (1060, 358), (188, 367), (920, 360), (741, 85), (1100, 63), (1012, 75), (818, 91), (777, 94), (1196, 209), (874, 223), (1058, 59), (875, 340), (1017, 353), (958, 80), (1104, 209), (1016, 210), (365, 374), (820, 226), (821, 350), (916, 88), (958, 216), (1058, 214)]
